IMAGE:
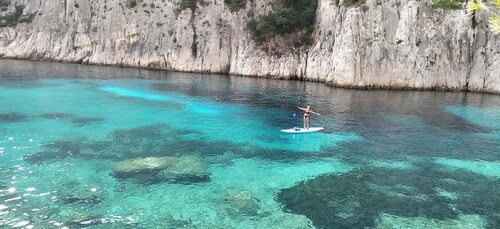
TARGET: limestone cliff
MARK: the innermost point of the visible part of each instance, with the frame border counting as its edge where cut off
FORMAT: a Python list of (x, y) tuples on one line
[(385, 44)]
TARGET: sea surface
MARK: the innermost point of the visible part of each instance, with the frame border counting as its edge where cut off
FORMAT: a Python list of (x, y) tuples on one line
[(104, 147)]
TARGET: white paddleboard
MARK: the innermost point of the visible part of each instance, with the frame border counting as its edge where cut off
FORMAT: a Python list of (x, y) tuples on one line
[(297, 130)]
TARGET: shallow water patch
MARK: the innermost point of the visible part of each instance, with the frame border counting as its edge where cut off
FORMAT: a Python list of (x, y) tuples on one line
[(392, 164), (487, 117), (135, 94), (463, 222), (485, 168)]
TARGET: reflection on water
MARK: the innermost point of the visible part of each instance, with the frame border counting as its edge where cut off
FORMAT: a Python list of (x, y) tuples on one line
[(101, 147)]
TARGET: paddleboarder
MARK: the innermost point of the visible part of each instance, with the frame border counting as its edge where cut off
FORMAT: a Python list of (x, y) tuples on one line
[(306, 115)]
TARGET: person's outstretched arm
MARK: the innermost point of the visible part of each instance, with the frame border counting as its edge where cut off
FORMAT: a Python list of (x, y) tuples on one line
[(315, 113), (304, 109)]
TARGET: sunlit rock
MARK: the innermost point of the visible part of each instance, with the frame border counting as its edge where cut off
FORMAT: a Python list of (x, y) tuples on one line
[(157, 169), (241, 203)]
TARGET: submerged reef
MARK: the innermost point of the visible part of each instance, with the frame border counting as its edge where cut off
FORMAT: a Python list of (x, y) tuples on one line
[(12, 117), (155, 141), (56, 116), (241, 203), (74, 119), (83, 121), (56, 150), (358, 198), (158, 169)]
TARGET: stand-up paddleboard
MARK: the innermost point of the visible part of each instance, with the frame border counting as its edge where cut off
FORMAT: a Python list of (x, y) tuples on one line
[(297, 130)]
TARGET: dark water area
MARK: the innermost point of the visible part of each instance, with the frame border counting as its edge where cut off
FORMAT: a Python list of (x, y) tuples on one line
[(105, 147)]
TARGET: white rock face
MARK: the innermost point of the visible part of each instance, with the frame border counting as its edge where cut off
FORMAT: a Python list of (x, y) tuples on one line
[(390, 44)]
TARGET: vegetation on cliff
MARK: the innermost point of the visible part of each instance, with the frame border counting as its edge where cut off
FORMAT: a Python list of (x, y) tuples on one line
[(349, 3), (15, 17), (235, 5), (295, 16), (492, 9), (132, 3), (447, 4)]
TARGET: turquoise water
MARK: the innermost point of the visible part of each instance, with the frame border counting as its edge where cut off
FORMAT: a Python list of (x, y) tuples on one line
[(100, 147)]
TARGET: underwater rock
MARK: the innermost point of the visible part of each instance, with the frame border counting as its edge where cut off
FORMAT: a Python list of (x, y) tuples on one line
[(224, 159), (56, 150), (157, 169), (241, 203), (133, 143), (463, 222), (173, 222), (288, 221), (83, 220), (148, 141), (78, 121), (56, 116), (356, 199), (80, 198), (12, 117), (85, 121)]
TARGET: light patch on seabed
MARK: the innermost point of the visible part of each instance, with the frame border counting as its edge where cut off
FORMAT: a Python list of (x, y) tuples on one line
[(485, 168), (257, 175), (387, 221), (193, 106), (392, 164), (135, 94), (488, 117)]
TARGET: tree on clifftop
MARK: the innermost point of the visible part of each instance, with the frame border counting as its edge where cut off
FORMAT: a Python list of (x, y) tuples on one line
[(492, 9)]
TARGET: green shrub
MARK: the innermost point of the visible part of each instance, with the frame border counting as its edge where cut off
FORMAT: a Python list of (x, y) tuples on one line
[(365, 7), (191, 4), (132, 3), (12, 19), (235, 5), (297, 15), (447, 4), (194, 45), (349, 3)]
